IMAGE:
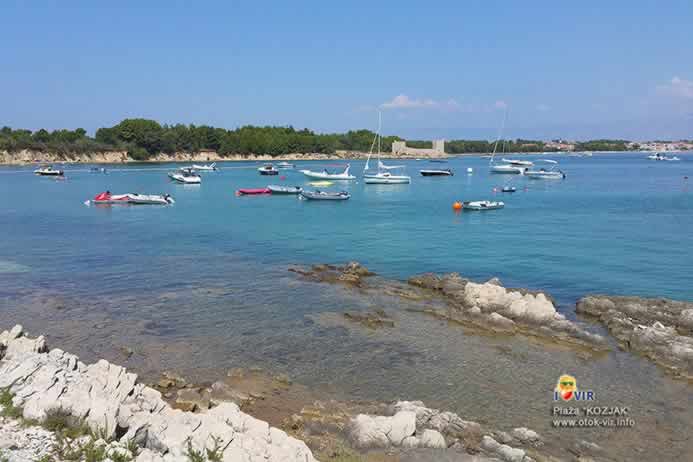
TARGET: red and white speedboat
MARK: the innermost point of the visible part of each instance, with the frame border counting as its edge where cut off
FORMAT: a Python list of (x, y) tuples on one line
[(106, 198)]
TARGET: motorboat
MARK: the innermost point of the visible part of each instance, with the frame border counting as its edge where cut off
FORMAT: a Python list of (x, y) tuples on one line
[(48, 171), (508, 189), (276, 189), (185, 175), (524, 163), (482, 205), (507, 168), (253, 191), (434, 172), (325, 195), (659, 156), (672, 158), (285, 165), (326, 175), (106, 198), (546, 174), (268, 169), (382, 175), (98, 170), (205, 168), (386, 178)]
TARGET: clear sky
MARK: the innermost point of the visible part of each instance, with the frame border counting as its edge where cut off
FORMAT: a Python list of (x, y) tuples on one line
[(581, 69)]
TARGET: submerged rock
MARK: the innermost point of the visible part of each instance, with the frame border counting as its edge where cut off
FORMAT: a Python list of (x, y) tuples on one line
[(111, 401), (658, 328), (352, 273), (373, 319)]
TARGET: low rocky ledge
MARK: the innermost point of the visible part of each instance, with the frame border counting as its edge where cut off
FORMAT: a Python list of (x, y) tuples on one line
[(110, 401), (486, 306), (658, 328)]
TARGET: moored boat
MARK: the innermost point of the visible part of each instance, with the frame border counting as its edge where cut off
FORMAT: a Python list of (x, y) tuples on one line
[(482, 205), (524, 163), (186, 176), (325, 195), (546, 174), (205, 168), (277, 189), (386, 178), (106, 198), (507, 168), (508, 189), (253, 191), (382, 175), (326, 175), (48, 171), (436, 172), (285, 165), (268, 169)]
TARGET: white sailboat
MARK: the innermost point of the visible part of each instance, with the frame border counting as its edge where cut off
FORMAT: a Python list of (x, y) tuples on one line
[(510, 166), (383, 175)]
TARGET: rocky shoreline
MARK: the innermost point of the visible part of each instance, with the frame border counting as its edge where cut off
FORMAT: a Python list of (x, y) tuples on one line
[(28, 157), (56, 408)]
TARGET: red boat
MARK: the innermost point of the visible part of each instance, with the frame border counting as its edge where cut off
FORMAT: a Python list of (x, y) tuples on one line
[(244, 192)]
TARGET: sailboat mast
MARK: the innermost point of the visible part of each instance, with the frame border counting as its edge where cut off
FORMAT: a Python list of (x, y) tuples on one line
[(500, 132)]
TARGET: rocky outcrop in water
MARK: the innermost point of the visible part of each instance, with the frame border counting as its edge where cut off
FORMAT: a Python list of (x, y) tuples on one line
[(108, 399), (658, 328), (412, 425)]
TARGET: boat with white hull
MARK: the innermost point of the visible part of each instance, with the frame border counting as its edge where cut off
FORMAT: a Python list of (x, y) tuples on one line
[(325, 195), (522, 163), (185, 176), (482, 205), (552, 173), (382, 174), (106, 198), (326, 175), (205, 168), (278, 189), (48, 171)]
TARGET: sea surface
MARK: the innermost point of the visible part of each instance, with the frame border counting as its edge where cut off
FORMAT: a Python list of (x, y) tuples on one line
[(202, 286)]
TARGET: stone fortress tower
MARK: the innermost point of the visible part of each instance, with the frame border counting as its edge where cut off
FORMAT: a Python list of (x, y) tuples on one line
[(399, 148)]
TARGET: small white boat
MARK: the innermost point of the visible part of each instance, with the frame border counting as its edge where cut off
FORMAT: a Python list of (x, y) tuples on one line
[(268, 169), (325, 196), (106, 198), (185, 176), (482, 205), (386, 178), (277, 189), (672, 158), (205, 168), (543, 174), (48, 171), (524, 163), (285, 165), (326, 175), (436, 172), (507, 168)]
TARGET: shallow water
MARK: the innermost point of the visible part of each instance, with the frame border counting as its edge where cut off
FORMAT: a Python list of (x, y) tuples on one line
[(202, 286)]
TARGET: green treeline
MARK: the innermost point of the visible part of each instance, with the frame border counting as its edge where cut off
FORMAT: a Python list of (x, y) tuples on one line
[(143, 138), (602, 145)]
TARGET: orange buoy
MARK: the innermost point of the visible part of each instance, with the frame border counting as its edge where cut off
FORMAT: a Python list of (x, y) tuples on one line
[(457, 205)]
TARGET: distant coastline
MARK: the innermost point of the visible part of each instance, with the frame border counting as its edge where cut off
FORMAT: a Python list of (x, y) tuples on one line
[(33, 157)]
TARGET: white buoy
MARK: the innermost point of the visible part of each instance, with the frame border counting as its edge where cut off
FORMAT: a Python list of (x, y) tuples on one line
[(470, 170)]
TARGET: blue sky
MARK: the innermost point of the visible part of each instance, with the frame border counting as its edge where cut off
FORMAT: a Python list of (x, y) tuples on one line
[(583, 69)]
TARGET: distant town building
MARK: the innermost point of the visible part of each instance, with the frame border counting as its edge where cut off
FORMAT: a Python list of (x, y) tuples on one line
[(560, 145), (401, 148)]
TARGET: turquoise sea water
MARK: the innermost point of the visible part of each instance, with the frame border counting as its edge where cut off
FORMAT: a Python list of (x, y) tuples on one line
[(203, 285)]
